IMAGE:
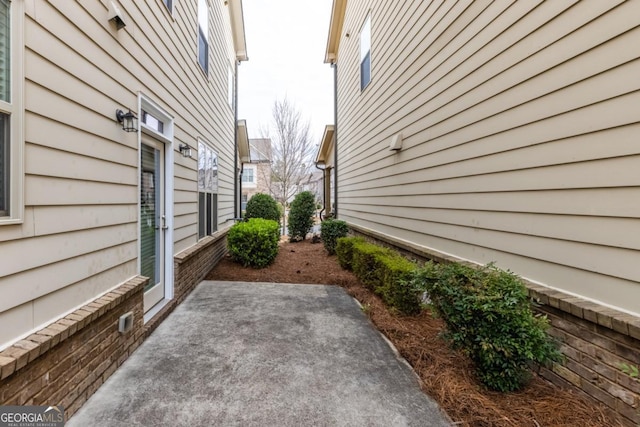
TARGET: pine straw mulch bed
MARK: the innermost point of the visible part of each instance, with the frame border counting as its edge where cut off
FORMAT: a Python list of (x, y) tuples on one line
[(447, 376)]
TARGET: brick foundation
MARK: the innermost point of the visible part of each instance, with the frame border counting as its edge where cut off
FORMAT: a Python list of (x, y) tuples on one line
[(66, 362), (595, 340)]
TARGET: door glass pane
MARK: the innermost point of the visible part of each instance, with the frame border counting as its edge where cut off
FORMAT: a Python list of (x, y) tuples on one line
[(150, 215), (5, 50), (202, 214), (4, 164)]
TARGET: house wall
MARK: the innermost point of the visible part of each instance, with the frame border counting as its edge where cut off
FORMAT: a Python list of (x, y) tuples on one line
[(78, 242), (79, 237), (519, 122)]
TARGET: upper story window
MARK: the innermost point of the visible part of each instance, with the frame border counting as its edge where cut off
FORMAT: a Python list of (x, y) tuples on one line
[(169, 4), (203, 35), (11, 146), (365, 53), (248, 175), (230, 86)]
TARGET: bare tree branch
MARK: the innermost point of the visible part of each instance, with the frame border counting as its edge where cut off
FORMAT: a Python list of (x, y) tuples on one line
[(292, 154)]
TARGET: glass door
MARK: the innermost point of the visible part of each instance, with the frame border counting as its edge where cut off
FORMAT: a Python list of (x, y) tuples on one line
[(152, 220)]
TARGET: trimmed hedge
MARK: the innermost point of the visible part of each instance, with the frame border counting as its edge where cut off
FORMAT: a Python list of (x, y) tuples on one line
[(489, 317), (382, 270), (254, 243), (344, 250), (331, 230), (262, 206)]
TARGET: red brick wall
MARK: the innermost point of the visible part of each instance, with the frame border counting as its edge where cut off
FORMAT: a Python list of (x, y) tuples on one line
[(594, 351), (66, 362)]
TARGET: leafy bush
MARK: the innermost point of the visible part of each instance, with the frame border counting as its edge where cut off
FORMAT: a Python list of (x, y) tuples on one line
[(254, 243), (301, 215), (488, 316), (344, 250), (331, 230), (397, 289), (262, 206), (384, 271), (365, 263)]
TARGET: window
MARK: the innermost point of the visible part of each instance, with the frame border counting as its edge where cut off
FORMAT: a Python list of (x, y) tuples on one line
[(365, 53), (11, 16), (230, 87), (245, 199), (152, 122), (203, 35), (169, 4), (207, 190), (247, 175)]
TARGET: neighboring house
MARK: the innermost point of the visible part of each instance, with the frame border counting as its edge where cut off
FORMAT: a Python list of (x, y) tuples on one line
[(256, 173), (313, 182), (325, 158), (504, 131), (96, 221)]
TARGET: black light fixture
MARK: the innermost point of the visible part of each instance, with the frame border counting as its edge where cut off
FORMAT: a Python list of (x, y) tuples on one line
[(185, 150), (129, 120)]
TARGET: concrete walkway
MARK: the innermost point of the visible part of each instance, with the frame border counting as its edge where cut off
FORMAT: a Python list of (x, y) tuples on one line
[(246, 354)]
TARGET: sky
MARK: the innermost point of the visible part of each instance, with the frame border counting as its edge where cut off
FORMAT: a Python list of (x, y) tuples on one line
[(286, 43)]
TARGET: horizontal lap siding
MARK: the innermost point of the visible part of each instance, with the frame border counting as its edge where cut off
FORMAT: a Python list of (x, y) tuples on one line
[(80, 233), (519, 124)]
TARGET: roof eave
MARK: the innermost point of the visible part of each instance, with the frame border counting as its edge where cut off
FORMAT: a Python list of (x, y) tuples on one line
[(335, 30), (237, 28), (243, 142), (325, 145)]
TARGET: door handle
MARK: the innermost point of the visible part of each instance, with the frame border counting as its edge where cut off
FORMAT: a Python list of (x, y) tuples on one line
[(164, 222)]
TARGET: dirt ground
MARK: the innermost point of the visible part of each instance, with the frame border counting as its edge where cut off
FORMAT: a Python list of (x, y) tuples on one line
[(446, 375)]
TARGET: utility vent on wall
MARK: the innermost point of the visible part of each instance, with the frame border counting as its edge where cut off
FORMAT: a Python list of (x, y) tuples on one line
[(396, 142), (126, 322)]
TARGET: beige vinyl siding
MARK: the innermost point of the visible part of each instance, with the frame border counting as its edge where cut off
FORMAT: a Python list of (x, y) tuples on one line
[(79, 237), (520, 125)]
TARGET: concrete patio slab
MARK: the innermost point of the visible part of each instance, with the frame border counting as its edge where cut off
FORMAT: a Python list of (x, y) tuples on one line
[(247, 354)]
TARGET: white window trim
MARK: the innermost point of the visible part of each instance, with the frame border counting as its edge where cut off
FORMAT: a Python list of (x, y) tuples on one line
[(145, 103), (230, 86), (206, 35), (365, 24), (16, 109)]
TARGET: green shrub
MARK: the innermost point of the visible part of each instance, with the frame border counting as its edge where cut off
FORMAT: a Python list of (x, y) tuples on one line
[(397, 289), (254, 243), (262, 206), (488, 316), (331, 230), (344, 250), (301, 215), (384, 271), (366, 265)]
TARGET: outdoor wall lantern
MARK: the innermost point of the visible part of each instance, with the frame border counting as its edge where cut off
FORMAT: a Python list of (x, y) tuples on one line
[(185, 150), (129, 120)]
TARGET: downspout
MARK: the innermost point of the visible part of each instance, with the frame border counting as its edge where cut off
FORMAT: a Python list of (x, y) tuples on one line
[(238, 184), (335, 139)]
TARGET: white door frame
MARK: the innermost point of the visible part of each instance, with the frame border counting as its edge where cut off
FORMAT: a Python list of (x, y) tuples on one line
[(164, 136)]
